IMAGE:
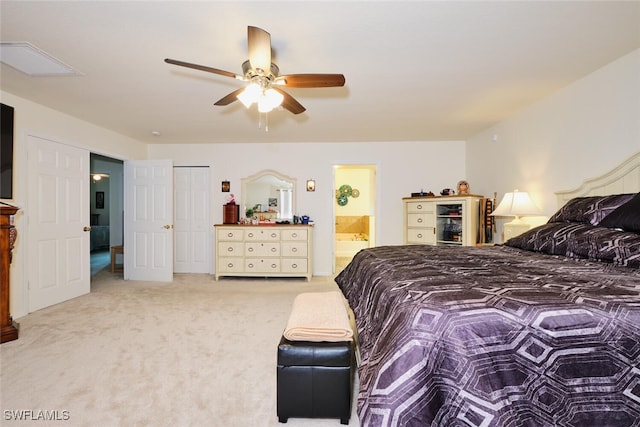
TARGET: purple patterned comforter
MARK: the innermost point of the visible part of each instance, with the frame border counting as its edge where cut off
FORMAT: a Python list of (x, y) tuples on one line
[(494, 336)]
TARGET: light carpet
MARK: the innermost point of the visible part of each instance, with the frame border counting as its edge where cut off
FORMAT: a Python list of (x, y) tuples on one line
[(193, 352)]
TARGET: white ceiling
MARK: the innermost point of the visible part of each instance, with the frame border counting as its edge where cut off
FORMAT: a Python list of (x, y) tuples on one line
[(415, 70)]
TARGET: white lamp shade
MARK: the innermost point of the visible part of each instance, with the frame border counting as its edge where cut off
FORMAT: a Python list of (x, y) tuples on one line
[(270, 100), (250, 95), (516, 204)]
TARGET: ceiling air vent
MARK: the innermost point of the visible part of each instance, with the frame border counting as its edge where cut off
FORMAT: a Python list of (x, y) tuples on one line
[(30, 60)]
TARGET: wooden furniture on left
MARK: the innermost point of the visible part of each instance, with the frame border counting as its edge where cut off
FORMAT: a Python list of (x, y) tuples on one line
[(115, 250), (8, 236)]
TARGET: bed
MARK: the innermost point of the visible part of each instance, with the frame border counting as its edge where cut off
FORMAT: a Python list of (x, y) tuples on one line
[(541, 331)]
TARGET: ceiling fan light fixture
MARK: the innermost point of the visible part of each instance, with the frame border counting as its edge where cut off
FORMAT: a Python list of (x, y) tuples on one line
[(270, 100), (250, 95)]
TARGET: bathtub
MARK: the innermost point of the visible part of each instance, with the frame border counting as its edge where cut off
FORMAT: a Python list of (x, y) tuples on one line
[(348, 244)]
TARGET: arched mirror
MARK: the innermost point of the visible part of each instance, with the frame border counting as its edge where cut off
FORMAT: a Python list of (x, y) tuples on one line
[(269, 195)]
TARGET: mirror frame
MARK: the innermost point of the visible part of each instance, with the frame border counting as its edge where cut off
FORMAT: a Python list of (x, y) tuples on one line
[(268, 172)]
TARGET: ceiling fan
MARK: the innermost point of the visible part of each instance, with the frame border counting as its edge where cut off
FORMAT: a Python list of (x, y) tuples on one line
[(264, 78)]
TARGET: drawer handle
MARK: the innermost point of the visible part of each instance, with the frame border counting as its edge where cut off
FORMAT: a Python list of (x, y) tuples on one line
[(250, 234), (274, 235), (273, 265), (419, 235), (230, 265), (418, 206), (294, 249), (250, 265), (229, 249), (249, 249), (294, 235), (294, 265), (419, 220), (273, 249), (230, 234)]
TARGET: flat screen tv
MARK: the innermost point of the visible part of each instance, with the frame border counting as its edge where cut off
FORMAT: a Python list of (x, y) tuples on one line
[(6, 152)]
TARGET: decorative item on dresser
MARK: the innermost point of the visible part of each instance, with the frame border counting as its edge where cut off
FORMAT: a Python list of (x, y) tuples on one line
[(7, 239), (446, 220), (264, 250)]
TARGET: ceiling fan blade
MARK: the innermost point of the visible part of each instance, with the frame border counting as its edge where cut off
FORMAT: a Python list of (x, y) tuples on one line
[(259, 49), (229, 98), (202, 68), (311, 80), (290, 103)]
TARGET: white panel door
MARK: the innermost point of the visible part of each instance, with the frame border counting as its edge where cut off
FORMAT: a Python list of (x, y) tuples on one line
[(192, 225), (148, 223), (58, 217)]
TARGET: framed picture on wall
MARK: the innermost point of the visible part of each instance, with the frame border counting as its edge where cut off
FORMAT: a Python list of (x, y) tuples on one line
[(99, 199)]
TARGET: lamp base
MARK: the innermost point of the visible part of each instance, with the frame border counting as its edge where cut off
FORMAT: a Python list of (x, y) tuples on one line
[(514, 228)]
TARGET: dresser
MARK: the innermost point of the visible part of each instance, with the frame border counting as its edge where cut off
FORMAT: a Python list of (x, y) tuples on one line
[(280, 250), (7, 239), (445, 220)]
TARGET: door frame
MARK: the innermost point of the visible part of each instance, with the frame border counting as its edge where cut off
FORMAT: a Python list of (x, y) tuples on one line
[(375, 167)]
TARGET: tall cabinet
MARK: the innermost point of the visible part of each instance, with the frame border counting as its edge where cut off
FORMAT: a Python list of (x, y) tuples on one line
[(7, 239), (445, 220)]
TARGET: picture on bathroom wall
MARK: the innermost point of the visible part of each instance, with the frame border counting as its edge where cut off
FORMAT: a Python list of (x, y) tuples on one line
[(273, 202), (99, 199)]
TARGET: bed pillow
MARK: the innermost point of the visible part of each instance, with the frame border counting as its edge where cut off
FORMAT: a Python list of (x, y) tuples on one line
[(575, 240), (626, 217), (590, 209), (554, 238)]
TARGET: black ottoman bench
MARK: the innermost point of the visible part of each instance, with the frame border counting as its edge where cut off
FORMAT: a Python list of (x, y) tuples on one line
[(315, 379)]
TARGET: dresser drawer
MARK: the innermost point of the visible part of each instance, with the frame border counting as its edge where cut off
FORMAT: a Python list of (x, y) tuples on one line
[(424, 236), (230, 234), (419, 207), (230, 265), (262, 249), (262, 233), (294, 265), (227, 249), (295, 234), (259, 265), (420, 220), (294, 249)]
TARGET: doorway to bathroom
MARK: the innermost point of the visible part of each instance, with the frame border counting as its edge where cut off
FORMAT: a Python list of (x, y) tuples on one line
[(354, 211)]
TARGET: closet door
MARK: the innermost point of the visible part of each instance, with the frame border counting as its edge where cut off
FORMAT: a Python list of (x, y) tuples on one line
[(192, 230), (148, 220)]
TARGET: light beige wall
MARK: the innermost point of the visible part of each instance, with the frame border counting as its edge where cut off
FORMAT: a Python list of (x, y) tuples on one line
[(403, 168), (34, 119), (582, 131)]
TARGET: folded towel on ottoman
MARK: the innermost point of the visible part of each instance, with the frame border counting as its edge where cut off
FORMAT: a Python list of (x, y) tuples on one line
[(319, 316)]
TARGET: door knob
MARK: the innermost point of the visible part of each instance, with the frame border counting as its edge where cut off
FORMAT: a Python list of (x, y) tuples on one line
[(167, 226), (86, 229)]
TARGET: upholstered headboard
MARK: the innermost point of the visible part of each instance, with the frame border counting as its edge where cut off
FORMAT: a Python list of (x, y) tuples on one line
[(625, 178)]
